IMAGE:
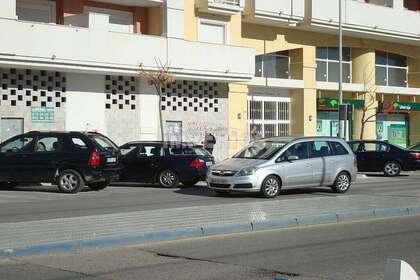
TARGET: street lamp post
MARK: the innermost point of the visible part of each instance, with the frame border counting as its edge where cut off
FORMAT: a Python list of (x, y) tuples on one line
[(342, 122)]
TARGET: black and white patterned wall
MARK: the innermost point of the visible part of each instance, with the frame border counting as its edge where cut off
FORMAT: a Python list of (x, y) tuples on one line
[(192, 96), (120, 92), (32, 88)]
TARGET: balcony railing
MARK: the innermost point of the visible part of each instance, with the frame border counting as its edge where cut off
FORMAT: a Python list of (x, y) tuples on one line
[(222, 7)]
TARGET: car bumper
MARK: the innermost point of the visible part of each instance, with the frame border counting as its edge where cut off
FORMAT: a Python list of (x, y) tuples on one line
[(98, 175), (234, 183)]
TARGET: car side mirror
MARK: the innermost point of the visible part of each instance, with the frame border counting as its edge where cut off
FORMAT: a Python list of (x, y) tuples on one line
[(292, 158)]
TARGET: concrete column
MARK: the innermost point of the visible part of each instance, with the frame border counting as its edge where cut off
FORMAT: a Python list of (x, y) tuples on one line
[(364, 73), (237, 117), (399, 4), (8, 9), (149, 112), (414, 82), (173, 19), (303, 101)]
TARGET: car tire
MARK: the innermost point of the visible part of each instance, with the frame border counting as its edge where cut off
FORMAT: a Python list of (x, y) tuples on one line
[(70, 181), (168, 178), (99, 186), (392, 169), (8, 185), (270, 187), (342, 183), (190, 183)]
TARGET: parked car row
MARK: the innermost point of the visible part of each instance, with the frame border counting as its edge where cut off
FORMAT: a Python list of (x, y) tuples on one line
[(72, 160)]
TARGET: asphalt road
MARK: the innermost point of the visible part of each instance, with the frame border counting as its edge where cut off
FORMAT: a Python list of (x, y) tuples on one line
[(28, 203), (337, 251)]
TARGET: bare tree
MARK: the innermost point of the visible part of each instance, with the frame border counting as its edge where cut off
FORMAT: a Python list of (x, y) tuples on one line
[(369, 97), (158, 78)]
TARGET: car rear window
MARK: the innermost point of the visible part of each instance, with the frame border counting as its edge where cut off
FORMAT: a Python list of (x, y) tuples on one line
[(188, 151), (103, 142), (78, 143), (339, 149)]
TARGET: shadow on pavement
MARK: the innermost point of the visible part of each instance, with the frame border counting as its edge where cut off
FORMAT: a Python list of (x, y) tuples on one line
[(38, 188), (380, 175)]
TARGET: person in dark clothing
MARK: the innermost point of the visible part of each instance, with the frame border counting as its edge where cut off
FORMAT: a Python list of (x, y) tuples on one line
[(209, 142)]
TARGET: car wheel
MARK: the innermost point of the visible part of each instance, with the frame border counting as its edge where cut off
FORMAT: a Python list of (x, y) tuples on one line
[(99, 186), (190, 183), (168, 179), (392, 169), (270, 187), (342, 183), (70, 181), (8, 185)]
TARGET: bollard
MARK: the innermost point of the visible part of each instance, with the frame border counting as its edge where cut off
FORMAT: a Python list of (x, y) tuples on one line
[(399, 270)]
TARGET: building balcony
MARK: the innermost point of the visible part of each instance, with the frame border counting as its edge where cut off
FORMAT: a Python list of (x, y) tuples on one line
[(271, 12), (97, 50), (221, 7), (366, 20), (143, 3)]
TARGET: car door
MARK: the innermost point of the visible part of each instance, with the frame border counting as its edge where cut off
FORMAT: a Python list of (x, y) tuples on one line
[(129, 153), (372, 156), (299, 172), (42, 166), (324, 162), (13, 153), (145, 164)]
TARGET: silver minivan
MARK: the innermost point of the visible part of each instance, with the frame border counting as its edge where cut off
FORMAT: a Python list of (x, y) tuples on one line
[(271, 164)]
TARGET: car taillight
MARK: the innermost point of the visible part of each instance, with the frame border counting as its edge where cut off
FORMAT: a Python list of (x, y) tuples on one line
[(415, 155), (94, 159), (197, 163)]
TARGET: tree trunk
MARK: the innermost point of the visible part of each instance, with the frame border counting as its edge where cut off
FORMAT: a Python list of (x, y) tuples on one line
[(362, 131), (161, 118)]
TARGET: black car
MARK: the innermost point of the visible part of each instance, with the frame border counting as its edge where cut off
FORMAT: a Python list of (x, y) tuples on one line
[(69, 159), (165, 163), (380, 156)]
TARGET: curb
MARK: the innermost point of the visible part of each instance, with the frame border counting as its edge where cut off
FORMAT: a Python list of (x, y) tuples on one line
[(208, 230)]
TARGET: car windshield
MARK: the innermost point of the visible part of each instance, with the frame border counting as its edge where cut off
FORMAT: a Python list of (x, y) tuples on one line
[(103, 142), (260, 150)]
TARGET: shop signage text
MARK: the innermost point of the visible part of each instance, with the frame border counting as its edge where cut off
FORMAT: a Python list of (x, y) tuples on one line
[(42, 114), (332, 103)]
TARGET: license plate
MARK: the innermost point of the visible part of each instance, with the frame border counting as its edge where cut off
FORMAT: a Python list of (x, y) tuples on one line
[(111, 160), (209, 163), (219, 181)]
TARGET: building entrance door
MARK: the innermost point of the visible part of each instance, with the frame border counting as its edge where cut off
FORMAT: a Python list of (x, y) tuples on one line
[(10, 127)]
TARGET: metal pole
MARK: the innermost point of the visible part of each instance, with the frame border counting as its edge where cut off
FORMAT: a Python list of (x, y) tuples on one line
[(342, 132)]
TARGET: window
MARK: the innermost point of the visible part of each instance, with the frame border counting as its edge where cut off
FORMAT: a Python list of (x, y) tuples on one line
[(412, 5), (391, 69), (48, 144), (119, 21), (268, 116), (327, 64), (273, 65), (212, 32), (375, 147), (339, 149), (355, 146), (21, 144), (36, 10), (78, 143), (300, 150), (125, 150), (320, 149), (150, 150), (104, 143), (385, 3), (260, 150)]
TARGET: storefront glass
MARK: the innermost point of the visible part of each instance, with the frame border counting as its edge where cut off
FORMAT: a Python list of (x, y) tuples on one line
[(392, 128)]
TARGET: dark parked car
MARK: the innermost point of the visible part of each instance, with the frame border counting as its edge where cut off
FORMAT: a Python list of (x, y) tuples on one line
[(69, 159), (380, 156), (165, 163)]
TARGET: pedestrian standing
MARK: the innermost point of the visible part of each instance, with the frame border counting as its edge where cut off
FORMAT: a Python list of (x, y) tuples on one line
[(209, 142)]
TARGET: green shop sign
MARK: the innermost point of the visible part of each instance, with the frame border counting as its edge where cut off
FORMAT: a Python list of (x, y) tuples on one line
[(405, 106), (42, 114), (332, 103)]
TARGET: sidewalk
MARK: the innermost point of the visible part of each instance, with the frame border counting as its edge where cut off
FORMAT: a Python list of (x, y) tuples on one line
[(141, 226)]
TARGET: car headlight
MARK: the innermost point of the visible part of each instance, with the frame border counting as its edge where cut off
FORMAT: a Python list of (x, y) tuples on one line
[(247, 171)]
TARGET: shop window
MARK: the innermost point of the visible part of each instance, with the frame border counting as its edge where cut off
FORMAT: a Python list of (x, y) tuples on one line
[(412, 5), (327, 61), (34, 10), (268, 116), (391, 69), (273, 65)]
